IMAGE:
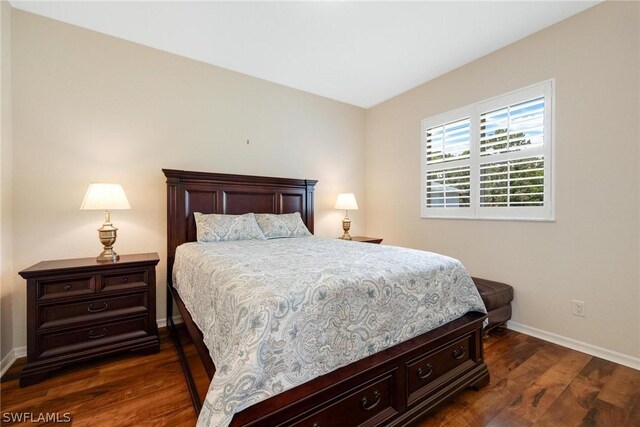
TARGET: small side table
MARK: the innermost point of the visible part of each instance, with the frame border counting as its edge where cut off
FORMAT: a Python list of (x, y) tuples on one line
[(80, 309), (365, 239)]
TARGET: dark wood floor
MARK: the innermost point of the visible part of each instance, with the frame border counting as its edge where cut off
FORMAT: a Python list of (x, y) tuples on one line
[(532, 383)]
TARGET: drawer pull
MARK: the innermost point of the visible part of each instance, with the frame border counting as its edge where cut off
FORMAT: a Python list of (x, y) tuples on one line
[(93, 334), (459, 353), (67, 287), (90, 308), (125, 280), (423, 375), (376, 399)]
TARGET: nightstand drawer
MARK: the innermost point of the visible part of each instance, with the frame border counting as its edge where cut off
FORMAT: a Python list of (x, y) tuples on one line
[(124, 280), (63, 288), (68, 314), (71, 341)]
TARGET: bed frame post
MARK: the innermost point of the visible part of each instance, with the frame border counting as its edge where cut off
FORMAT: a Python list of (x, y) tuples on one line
[(172, 228), (310, 186), (172, 189)]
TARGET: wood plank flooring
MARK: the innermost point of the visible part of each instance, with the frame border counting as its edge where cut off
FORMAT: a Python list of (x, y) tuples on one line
[(533, 382)]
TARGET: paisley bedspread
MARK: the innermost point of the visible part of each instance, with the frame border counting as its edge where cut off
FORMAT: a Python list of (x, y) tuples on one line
[(278, 313)]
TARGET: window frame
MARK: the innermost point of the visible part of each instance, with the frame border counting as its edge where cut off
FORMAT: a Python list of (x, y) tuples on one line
[(474, 111)]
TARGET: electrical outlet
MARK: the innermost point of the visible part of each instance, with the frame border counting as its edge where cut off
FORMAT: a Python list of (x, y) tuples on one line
[(579, 308)]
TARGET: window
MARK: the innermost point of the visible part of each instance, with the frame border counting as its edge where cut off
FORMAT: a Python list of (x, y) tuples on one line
[(490, 160)]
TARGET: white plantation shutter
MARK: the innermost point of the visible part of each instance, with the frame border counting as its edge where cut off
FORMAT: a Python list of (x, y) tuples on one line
[(518, 182), (512, 128), (514, 156), (447, 167), (491, 159), (449, 188)]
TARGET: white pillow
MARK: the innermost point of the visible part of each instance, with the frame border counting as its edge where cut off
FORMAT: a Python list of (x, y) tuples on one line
[(285, 225), (219, 228)]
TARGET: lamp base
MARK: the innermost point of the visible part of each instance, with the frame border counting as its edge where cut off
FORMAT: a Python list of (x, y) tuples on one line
[(107, 234), (346, 225), (108, 255)]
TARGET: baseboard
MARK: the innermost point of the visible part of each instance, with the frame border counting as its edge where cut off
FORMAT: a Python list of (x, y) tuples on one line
[(163, 322), (7, 361), (10, 358), (603, 353)]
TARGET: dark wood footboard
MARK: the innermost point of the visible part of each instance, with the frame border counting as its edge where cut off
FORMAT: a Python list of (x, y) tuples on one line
[(397, 386)]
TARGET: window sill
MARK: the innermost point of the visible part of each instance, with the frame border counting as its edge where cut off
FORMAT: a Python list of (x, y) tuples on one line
[(489, 218)]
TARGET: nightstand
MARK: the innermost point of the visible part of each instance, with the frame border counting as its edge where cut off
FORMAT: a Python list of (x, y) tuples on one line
[(80, 309), (366, 239)]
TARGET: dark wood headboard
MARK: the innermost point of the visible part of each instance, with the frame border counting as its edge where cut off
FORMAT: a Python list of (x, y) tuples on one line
[(189, 192)]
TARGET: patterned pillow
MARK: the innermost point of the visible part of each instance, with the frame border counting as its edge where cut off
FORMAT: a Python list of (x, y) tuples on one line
[(219, 228), (285, 225)]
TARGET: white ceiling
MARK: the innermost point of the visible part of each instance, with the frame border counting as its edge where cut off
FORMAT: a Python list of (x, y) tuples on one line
[(361, 53)]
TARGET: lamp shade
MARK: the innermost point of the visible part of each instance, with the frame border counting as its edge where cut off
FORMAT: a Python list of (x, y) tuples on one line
[(346, 201), (105, 197)]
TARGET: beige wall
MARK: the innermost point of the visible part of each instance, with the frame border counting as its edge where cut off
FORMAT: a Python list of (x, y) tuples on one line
[(6, 229), (88, 107), (591, 252)]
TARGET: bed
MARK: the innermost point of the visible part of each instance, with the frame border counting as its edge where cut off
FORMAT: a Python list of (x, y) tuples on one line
[(394, 386)]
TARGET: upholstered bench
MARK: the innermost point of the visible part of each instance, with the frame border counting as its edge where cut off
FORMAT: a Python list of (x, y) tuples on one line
[(497, 298)]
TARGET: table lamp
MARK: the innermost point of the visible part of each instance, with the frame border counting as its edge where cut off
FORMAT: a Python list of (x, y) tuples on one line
[(106, 197), (346, 201)]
